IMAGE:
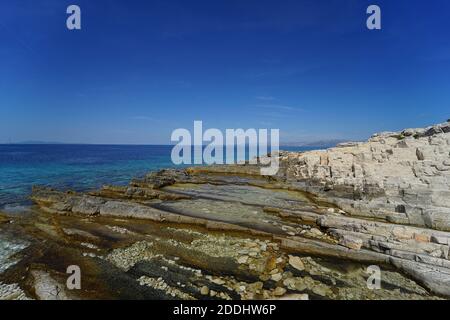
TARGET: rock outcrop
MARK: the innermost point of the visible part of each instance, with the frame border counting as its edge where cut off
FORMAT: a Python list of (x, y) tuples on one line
[(397, 188), (400, 177)]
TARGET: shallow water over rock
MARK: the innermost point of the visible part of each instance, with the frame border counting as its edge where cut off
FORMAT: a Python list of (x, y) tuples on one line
[(9, 246)]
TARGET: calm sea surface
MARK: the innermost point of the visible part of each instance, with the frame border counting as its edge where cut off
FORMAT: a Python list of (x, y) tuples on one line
[(77, 167)]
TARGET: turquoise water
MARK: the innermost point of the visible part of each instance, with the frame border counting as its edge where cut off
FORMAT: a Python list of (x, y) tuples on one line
[(76, 167)]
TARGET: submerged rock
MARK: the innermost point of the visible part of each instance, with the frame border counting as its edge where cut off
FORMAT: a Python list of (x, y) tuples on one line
[(12, 292)]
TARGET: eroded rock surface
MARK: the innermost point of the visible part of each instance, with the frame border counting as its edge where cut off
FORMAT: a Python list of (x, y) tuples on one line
[(226, 232), (401, 177)]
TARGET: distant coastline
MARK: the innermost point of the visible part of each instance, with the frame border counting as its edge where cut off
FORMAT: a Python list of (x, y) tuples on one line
[(314, 144)]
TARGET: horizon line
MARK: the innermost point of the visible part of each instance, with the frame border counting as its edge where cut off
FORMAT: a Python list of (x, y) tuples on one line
[(284, 144)]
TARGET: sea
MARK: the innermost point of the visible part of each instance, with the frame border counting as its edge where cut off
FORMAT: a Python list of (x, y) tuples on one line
[(76, 167)]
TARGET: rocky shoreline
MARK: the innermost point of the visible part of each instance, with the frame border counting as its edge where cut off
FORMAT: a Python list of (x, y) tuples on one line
[(226, 232)]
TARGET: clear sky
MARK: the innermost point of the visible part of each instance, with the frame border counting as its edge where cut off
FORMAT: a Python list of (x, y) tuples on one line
[(139, 69)]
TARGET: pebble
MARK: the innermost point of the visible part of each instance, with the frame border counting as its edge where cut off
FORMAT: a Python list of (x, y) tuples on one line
[(279, 291), (295, 296), (218, 281), (271, 263), (204, 291), (320, 290), (315, 231), (274, 271), (242, 259), (276, 277), (264, 277), (255, 287), (297, 263)]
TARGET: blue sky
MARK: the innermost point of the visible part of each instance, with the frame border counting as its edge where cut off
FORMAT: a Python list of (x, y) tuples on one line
[(139, 69)]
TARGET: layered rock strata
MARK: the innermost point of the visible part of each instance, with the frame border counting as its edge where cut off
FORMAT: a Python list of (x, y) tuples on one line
[(226, 232), (400, 177)]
